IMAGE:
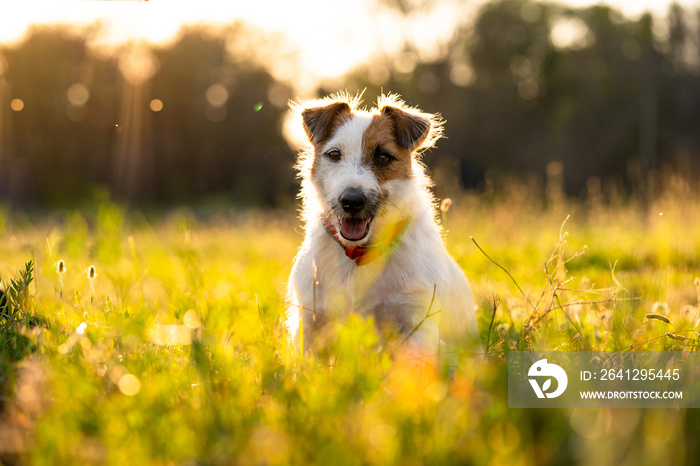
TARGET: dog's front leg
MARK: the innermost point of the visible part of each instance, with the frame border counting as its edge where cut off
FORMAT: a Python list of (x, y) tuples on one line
[(303, 303)]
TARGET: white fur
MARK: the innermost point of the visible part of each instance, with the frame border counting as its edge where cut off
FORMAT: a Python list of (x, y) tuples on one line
[(349, 172), (399, 285)]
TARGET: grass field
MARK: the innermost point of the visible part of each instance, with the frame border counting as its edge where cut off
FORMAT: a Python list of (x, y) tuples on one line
[(174, 352)]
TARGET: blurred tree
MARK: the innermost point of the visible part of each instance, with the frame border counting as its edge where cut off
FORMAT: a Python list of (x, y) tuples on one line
[(218, 132), (523, 86), (531, 83), (164, 124), (48, 143)]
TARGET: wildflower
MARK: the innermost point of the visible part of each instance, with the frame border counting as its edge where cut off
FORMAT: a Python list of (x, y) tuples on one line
[(688, 312), (60, 270), (91, 273), (659, 307), (675, 337), (658, 317)]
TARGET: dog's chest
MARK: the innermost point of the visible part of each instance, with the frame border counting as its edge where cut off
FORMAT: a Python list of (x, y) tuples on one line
[(347, 287)]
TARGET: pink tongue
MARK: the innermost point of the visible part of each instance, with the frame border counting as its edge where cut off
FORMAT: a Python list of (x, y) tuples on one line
[(353, 229)]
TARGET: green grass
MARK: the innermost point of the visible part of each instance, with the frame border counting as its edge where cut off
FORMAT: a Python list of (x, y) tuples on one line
[(179, 355)]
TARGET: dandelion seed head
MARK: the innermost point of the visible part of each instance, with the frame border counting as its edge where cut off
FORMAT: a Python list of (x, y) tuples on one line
[(502, 330), (659, 308), (688, 312), (517, 313), (81, 328)]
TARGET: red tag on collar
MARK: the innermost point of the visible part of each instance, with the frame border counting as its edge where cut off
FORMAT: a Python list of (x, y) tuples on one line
[(353, 252), (357, 253)]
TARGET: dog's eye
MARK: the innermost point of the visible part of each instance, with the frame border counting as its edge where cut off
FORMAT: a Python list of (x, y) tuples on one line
[(384, 159), (333, 154)]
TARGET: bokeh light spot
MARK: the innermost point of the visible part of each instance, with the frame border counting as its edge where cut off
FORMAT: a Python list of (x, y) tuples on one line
[(570, 33), (138, 65), (217, 95), (171, 335), (156, 105), (78, 94), (278, 95), (215, 114), (191, 319), (129, 384), (76, 114), (17, 105), (461, 74)]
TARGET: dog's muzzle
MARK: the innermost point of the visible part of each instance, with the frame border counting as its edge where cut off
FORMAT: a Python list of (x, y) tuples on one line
[(356, 218)]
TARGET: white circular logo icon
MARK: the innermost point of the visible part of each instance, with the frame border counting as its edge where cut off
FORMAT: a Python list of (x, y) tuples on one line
[(543, 369)]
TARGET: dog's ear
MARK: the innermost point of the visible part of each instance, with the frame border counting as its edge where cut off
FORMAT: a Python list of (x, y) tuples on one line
[(320, 122), (411, 129)]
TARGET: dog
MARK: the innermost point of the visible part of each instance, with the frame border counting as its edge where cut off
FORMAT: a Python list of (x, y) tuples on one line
[(372, 245)]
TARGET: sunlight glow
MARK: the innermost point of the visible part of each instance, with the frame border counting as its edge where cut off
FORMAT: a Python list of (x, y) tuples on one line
[(309, 41), (171, 335), (137, 65), (570, 33)]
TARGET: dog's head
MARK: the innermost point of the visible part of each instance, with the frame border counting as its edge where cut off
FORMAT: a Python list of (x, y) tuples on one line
[(363, 161)]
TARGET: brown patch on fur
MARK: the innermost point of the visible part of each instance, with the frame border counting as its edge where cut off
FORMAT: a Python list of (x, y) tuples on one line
[(320, 123), (395, 133), (411, 129)]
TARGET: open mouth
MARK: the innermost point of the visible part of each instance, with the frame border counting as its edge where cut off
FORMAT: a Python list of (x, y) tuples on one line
[(354, 229)]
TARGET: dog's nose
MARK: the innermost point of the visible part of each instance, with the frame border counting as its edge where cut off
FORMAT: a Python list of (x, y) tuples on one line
[(353, 200)]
